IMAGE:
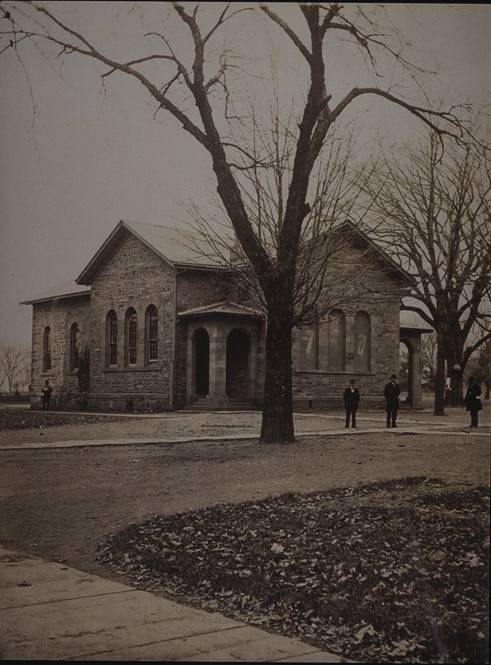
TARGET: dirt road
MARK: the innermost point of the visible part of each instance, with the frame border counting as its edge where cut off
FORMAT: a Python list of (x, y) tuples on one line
[(59, 503)]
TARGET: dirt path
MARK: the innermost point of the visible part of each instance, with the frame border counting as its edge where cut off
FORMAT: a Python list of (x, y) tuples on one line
[(59, 503), (182, 424)]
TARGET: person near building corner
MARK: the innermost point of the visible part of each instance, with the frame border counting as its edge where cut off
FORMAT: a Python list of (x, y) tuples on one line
[(472, 400), (46, 391), (351, 400), (392, 391)]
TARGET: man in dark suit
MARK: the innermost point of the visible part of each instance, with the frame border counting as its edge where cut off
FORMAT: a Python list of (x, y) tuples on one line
[(472, 401), (46, 392), (351, 400), (392, 391)]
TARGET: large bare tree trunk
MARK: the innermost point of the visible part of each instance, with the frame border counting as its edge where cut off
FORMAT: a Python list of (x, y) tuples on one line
[(277, 423), (440, 377), (206, 85)]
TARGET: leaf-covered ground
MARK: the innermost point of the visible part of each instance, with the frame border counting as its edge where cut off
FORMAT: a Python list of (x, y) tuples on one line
[(395, 571), (16, 419)]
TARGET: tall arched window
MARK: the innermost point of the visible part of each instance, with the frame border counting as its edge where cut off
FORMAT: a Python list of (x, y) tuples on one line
[(46, 349), (151, 334), (131, 337), (111, 338), (74, 346), (306, 347), (336, 341), (363, 342)]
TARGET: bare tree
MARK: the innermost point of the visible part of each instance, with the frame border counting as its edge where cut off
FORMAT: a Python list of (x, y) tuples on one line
[(211, 97), (323, 280), (437, 220), (428, 355), (14, 364)]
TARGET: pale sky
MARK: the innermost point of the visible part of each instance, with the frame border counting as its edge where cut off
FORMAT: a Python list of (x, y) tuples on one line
[(95, 158)]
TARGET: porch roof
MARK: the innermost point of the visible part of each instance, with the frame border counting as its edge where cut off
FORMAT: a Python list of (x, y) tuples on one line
[(225, 307), (412, 322)]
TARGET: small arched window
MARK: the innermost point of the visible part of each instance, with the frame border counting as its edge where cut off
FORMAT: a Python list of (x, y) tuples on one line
[(363, 342), (336, 341), (151, 334), (74, 347), (131, 337), (111, 338), (46, 349)]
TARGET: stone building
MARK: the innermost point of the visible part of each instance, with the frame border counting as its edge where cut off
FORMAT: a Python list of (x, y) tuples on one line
[(164, 331)]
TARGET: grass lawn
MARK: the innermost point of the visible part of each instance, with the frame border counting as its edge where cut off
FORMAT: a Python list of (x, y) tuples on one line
[(14, 419), (391, 571)]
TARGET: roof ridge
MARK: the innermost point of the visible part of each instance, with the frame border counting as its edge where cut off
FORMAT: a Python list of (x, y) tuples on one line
[(157, 226)]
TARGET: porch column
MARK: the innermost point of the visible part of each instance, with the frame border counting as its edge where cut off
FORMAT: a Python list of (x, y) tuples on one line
[(253, 342), (415, 364), (218, 363), (189, 364)]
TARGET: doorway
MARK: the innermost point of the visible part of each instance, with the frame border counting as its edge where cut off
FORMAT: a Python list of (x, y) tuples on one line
[(238, 348), (201, 362)]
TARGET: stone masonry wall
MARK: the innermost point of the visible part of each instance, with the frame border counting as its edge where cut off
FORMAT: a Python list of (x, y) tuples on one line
[(59, 316), (134, 276), (317, 387)]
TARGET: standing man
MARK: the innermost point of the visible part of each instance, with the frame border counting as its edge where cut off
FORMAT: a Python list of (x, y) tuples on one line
[(392, 391), (47, 390), (351, 400), (472, 400)]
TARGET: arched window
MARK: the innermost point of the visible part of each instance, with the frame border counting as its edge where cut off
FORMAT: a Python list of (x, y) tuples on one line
[(111, 338), (74, 347), (363, 342), (151, 334), (306, 347), (131, 336), (46, 349), (336, 341)]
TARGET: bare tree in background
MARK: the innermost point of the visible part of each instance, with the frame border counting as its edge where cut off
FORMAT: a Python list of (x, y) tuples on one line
[(436, 212), (428, 356), (14, 366), (208, 81)]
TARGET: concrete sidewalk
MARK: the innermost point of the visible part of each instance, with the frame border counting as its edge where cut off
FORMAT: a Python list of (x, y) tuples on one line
[(51, 611)]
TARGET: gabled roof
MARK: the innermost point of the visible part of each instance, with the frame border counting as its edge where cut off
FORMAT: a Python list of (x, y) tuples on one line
[(225, 307), (362, 239), (167, 242), (61, 291)]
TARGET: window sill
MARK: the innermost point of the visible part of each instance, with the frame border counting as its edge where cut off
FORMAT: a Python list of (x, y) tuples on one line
[(116, 370), (346, 372)]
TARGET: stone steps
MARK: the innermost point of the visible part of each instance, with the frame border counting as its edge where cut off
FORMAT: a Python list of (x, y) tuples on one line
[(231, 404)]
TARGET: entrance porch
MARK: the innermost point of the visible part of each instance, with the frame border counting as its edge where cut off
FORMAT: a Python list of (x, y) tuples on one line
[(410, 335), (222, 355)]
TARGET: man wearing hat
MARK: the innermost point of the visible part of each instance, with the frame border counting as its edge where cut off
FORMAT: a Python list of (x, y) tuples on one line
[(351, 399), (391, 394)]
